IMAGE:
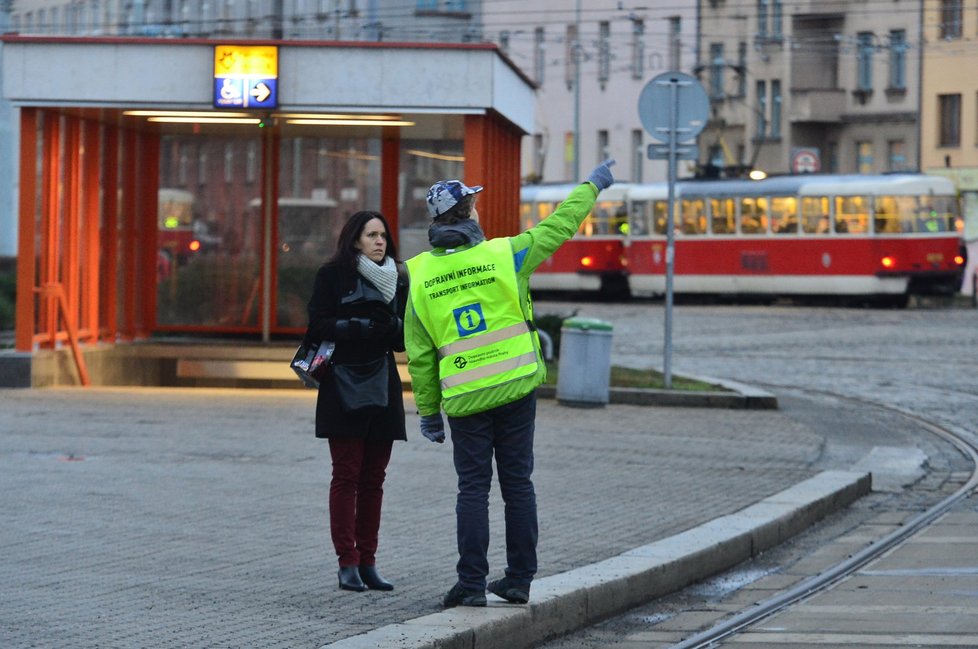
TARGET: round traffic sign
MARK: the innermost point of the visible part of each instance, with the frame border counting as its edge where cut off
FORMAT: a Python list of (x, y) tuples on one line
[(655, 106)]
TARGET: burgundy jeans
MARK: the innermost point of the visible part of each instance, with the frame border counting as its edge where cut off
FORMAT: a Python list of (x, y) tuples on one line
[(356, 493)]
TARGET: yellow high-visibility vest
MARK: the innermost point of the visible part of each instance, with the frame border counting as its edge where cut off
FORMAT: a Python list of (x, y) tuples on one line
[(468, 302)]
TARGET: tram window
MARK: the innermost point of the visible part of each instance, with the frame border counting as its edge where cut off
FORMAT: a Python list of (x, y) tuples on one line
[(724, 215), (693, 218), (894, 214), (815, 215), (638, 221), (543, 211), (753, 216), (526, 216), (937, 214), (784, 215), (851, 214), (660, 215)]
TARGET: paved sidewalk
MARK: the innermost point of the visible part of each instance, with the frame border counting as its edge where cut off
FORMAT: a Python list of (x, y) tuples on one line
[(179, 518)]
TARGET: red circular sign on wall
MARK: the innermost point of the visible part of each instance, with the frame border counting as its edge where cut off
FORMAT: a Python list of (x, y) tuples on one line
[(805, 161)]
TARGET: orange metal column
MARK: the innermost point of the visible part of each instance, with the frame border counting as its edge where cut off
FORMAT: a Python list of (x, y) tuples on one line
[(130, 206), (492, 160), (26, 247), (109, 266), (70, 230), (50, 217), (88, 323), (390, 169)]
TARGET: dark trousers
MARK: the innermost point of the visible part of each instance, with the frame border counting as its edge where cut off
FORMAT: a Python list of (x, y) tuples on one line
[(356, 493), (507, 432)]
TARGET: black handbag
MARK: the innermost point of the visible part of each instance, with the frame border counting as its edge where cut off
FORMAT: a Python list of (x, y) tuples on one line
[(362, 385), (311, 360)]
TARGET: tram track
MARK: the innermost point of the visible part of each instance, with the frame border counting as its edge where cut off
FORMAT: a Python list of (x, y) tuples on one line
[(964, 441)]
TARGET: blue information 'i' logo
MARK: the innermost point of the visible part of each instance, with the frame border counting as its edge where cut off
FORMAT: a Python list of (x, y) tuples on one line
[(469, 319)]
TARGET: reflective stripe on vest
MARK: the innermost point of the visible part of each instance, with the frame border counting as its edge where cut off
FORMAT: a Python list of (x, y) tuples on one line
[(468, 302)]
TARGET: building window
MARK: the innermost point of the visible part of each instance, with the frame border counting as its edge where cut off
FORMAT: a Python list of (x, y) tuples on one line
[(761, 109), (638, 156), (570, 56), (228, 162), (251, 164), (675, 43), (604, 151), (949, 112), (638, 48), (539, 55), (742, 69), (183, 164), (717, 65), (896, 157), (864, 61), (950, 19), (201, 165), (864, 157), (898, 59), (604, 52), (762, 18), (777, 19), (504, 41), (538, 155), (776, 108)]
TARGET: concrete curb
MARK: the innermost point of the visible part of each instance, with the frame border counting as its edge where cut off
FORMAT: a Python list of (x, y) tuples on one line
[(740, 396), (571, 600)]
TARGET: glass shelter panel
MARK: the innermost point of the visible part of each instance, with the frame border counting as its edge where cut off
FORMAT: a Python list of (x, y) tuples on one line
[(209, 255), (322, 181)]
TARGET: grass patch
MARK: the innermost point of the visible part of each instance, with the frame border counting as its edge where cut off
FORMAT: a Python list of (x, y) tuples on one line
[(627, 377)]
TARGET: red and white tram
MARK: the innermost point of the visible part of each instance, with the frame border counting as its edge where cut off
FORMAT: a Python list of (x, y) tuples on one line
[(879, 238), (593, 260)]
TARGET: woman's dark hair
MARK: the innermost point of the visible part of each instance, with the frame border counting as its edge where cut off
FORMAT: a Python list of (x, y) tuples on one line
[(346, 245)]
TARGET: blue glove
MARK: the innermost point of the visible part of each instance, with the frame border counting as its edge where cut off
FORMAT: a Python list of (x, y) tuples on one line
[(601, 176), (433, 427)]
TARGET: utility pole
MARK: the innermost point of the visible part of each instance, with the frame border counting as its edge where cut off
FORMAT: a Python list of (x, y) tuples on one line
[(578, 55)]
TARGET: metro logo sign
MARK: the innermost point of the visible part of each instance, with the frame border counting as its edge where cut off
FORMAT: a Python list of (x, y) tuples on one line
[(245, 76)]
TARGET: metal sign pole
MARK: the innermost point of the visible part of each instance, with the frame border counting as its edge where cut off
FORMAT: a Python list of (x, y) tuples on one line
[(665, 100), (670, 235)]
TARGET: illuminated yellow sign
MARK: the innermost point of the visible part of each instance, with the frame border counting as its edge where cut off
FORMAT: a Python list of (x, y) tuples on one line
[(245, 76), (246, 61)]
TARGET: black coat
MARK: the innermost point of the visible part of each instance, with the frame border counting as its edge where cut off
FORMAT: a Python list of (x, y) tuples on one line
[(326, 307)]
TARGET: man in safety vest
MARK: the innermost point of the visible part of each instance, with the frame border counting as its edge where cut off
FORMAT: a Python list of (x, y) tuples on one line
[(474, 352)]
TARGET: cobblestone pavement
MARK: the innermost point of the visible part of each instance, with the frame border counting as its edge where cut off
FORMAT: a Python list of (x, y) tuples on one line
[(922, 360), (179, 518)]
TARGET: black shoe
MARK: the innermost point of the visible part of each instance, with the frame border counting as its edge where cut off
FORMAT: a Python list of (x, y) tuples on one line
[(459, 596), (510, 590), (372, 580), (350, 579)]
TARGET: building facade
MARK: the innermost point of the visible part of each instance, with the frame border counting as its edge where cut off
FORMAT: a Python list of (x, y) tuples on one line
[(591, 62), (949, 110), (804, 86)]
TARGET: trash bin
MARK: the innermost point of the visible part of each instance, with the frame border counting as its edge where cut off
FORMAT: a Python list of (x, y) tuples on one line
[(584, 367)]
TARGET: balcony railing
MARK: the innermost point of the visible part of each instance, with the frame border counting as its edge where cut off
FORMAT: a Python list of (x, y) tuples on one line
[(817, 105)]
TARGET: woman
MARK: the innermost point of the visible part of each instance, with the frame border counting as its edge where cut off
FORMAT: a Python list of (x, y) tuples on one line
[(358, 302)]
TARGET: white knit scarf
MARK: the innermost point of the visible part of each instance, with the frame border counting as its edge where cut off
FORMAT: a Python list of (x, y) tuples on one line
[(383, 276)]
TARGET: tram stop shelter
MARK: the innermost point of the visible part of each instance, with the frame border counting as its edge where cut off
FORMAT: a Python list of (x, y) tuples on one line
[(175, 190)]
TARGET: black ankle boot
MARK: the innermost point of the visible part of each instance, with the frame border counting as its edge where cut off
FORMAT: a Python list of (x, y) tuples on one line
[(350, 579), (373, 580)]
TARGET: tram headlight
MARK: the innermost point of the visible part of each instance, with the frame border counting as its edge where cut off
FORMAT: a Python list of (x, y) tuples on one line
[(888, 262)]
